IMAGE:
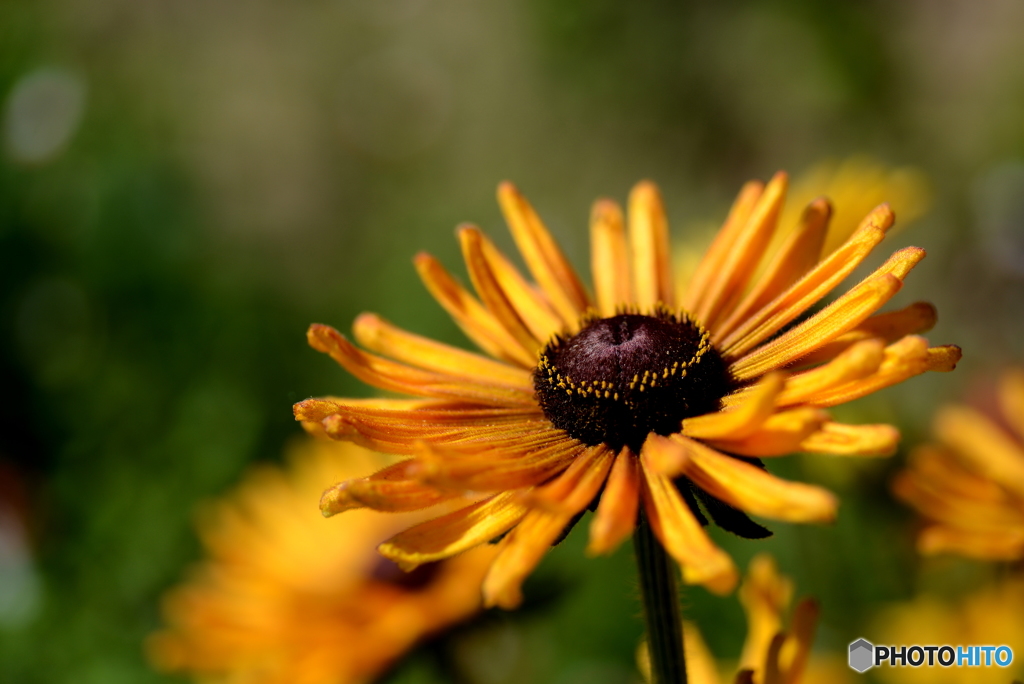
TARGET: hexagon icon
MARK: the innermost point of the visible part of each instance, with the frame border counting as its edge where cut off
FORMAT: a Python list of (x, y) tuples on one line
[(862, 655)]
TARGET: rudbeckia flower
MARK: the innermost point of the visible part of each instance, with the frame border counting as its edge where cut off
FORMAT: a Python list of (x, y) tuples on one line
[(626, 399), (970, 485), (772, 652), (989, 616), (282, 598)]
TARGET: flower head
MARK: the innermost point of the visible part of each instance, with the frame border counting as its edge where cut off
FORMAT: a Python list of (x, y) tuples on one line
[(631, 398), (281, 597), (970, 485)]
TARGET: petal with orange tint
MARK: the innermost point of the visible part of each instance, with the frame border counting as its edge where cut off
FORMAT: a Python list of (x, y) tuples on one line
[(609, 258), (988, 449), (797, 255), (490, 290), (1000, 545), (483, 473), (711, 263), (391, 490), (730, 281), (809, 289), (781, 434), (531, 305), (683, 537), (797, 650), (455, 532), (751, 489), (853, 440), (765, 595), (377, 335), (390, 375), (649, 245), (743, 418), (546, 262), (835, 319), (902, 360), (317, 409), (532, 538), (889, 326), (858, 361), (1011, 399), (615, 517), (469, 314)]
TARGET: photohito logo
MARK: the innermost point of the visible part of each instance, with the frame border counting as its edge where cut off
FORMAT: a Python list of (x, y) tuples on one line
[(864, 655)]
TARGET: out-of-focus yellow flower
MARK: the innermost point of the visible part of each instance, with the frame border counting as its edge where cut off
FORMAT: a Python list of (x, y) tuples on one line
[(970, 486), (771, 653), (854, 186), (630, 397), (285, 597), (992, 616)]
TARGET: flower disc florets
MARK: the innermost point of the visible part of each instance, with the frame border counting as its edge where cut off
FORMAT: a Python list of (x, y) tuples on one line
[(620, 378)]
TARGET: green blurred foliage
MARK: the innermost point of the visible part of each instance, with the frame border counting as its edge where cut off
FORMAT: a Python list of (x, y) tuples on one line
[(241, 169)]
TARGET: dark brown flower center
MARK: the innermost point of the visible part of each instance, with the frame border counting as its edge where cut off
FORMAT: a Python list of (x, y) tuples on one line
[(621, 378)]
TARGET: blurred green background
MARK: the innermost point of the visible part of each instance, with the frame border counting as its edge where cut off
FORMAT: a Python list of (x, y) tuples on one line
[(185, 185)]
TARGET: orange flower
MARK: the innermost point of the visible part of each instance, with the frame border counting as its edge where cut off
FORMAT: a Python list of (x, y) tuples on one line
[(970, 486), (629, 399), (771, 653), (284, 598)]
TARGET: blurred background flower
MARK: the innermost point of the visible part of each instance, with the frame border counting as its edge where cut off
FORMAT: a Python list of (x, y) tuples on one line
[(283, 597), (185, 185), (969, 487)]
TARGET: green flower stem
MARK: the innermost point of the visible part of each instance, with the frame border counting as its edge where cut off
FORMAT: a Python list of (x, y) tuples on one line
[(661, 607)]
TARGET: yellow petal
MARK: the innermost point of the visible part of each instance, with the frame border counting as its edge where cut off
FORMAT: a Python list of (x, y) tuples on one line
[(797, 255), (858, 361), (377, 335), (455, 532), (834, 320), (549, 267), (476, 322), (491, 293), (781, 434), (728, 284), (765, 595), (390, 375), (988, 449), (809, 289), (528, 301), (532, 538), (1011, 399), (682, 536), (698, 291), (1001, 545), (890, 326), (390, 490), (609, 264), (615, 517), (751, 489), (481, 472), (741, 419), (797, 649), (649, 243), (853, 440), (902, 360)]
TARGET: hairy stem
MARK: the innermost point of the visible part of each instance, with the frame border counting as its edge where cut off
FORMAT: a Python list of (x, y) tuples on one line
[(661, 607)]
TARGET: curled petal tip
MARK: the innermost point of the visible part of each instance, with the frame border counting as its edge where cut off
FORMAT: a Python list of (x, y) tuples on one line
[(945, 358), (336, 500)]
